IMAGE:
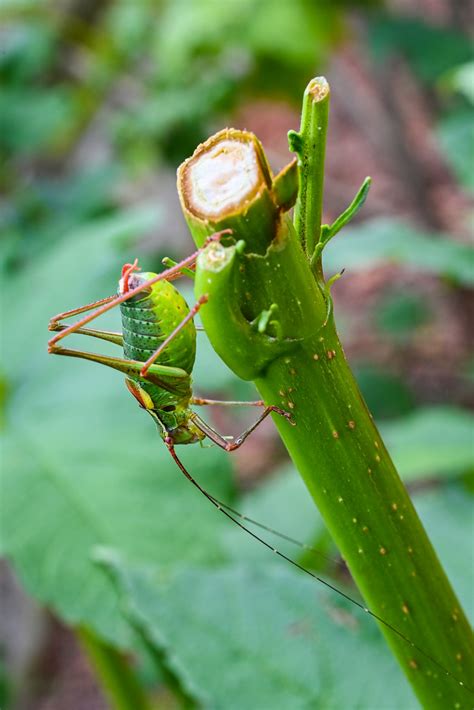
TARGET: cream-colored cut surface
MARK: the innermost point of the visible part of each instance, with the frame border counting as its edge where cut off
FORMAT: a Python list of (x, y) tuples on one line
[(222, 177)]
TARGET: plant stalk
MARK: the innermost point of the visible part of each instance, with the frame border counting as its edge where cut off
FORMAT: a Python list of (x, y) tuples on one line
[(119, 683), (310, 147), (298, 363)]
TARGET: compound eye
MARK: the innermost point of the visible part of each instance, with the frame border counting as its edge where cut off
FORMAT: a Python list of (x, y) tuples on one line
[(169, 408)]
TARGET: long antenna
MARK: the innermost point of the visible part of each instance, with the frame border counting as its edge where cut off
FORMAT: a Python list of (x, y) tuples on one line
[(224, 509), (283, 536)]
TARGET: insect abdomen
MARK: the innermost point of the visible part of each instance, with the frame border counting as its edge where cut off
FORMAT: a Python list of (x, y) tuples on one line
[(150, 318)]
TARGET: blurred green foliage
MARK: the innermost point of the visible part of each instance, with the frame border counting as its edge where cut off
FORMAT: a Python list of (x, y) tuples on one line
[(381, 240), (429, 49), (387, 395), (97, 521), (399, 314), (456, 135), (442, 59)]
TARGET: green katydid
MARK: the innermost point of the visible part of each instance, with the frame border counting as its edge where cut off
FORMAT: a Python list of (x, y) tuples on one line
[(159, 346)]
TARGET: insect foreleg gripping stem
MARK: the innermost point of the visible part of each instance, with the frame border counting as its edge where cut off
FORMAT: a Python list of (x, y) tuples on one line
[(203, 401)]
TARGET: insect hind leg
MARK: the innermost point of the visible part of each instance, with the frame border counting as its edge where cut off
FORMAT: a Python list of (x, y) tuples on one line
[(130, 368), (110, 336)]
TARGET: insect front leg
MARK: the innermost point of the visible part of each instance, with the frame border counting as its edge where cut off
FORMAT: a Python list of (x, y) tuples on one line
[(54, 322), (202, 402), (56, 326)]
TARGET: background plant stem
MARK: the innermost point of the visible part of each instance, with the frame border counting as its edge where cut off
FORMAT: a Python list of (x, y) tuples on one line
[(117, 679)]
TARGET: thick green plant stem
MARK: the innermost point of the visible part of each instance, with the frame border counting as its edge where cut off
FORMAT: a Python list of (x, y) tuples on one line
[(117, 679), (297, 362)]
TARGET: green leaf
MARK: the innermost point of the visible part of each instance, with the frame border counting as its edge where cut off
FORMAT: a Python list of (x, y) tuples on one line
[(280, 502), (260, 637), (386, 394), (328, 231), (99, 475), (433, 441), (82, 463), (387, 240), (5, 686), (289, 34), (27, 46), (431, 50), (32, 120), (456, 136), (460, 80), (399, 314), (447, 514)]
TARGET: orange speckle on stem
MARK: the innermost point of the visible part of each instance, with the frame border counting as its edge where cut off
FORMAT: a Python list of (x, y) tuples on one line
[(405, 609), (383, 551), (315, 356), (335, 434), (413, 664), (351, 424), (394, 506)]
